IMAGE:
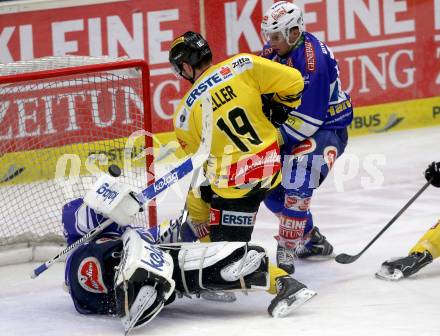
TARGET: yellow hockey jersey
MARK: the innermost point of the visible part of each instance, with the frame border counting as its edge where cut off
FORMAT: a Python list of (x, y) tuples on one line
[(244, 148)]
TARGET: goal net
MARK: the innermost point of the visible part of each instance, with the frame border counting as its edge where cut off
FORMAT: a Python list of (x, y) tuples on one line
[(63, 120)]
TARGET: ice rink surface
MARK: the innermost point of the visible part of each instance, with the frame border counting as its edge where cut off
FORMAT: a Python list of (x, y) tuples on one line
[(369, 185)]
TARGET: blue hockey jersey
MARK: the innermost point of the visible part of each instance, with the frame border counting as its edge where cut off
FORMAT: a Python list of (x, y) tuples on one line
[(89, 273), (324, 105)]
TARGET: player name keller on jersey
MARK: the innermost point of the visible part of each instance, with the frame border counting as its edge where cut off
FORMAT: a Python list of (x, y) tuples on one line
[(218, 98), (238, 66)]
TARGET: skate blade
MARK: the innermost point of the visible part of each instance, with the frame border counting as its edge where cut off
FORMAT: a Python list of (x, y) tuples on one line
[(283, 308), (218, 296), (385, 274), (318, 257)]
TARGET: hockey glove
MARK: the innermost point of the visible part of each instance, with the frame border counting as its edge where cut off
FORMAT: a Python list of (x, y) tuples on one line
[(277, 113), (432, 174)]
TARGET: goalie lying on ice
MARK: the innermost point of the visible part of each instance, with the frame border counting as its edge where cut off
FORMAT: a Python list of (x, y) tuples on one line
[(125, 271)]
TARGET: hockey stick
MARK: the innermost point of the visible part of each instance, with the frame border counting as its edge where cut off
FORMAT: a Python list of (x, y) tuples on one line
[(153, 190), (344, 258)]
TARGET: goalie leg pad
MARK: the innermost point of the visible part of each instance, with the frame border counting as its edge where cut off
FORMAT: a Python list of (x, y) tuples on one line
[(143, 280), (250, 262), (219, 266)]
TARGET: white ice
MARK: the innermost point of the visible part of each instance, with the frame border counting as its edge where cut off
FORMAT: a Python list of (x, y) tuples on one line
[(350, 208)]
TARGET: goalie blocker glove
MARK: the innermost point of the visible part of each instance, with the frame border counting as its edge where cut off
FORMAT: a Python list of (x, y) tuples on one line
[(432, 174), (396, 269)]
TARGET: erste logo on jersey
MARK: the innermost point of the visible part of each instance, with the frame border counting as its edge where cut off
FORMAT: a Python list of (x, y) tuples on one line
[(226, 72), (214, 216), (90, 276), (238, 218), (208, 83)]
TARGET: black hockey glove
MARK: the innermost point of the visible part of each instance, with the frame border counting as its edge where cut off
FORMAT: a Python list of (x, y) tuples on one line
[(432, 174), (277, 113)]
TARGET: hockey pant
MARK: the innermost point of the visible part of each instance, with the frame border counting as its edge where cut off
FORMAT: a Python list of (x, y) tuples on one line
[(305, 167), (430, 241), (214, 218), (209, 223)]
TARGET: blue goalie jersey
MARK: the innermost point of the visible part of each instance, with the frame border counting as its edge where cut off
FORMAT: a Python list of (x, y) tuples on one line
[(90, 268)]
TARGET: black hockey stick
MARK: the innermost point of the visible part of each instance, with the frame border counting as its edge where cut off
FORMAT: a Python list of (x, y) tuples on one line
[(344, 258)]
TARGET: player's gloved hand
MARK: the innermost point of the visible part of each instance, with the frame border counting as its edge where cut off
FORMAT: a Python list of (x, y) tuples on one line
[(432, 174), (277, 113)]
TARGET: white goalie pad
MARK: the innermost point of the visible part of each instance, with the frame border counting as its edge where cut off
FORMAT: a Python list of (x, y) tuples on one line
[(193, 256), (246, 265), (113, 199), (198, 256), (141, 259), (139, 253), (145, 299)]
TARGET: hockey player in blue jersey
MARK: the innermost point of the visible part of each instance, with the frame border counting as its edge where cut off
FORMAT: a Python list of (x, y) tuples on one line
[(313, 136), (133, 272)]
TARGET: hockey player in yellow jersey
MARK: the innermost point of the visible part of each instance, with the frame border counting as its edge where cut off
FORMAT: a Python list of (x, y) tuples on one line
[(425, 250), (244, 161)]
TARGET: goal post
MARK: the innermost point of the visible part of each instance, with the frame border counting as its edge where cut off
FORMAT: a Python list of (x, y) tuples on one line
[(62, 121)]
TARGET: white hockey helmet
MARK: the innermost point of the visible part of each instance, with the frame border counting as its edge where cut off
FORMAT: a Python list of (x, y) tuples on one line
[(281, 17)]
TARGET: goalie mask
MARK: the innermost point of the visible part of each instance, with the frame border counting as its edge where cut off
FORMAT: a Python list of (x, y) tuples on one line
[(280, 18), (190, 48), (143, 280)]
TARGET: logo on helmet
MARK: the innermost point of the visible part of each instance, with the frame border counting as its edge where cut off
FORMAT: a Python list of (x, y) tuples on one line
[(278, 13)]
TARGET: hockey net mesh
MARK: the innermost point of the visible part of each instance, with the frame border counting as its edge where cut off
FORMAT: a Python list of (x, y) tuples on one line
[(58, 133)]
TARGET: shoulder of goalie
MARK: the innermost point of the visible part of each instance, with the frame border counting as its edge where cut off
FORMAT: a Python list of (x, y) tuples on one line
[(219, 266), (113, 199), (143, 280)]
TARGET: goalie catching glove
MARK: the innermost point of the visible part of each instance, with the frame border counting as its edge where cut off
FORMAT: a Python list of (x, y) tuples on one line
[(113, 199)]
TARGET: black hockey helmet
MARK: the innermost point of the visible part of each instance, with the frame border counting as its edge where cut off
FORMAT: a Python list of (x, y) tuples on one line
[(190, 48)]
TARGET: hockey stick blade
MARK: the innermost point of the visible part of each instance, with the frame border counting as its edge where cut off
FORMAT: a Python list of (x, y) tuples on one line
[(153, 190), (344, 258)]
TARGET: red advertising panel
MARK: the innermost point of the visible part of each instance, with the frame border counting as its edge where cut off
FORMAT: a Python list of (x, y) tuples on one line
[(387, 50), (136, 28), (68, 110)]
